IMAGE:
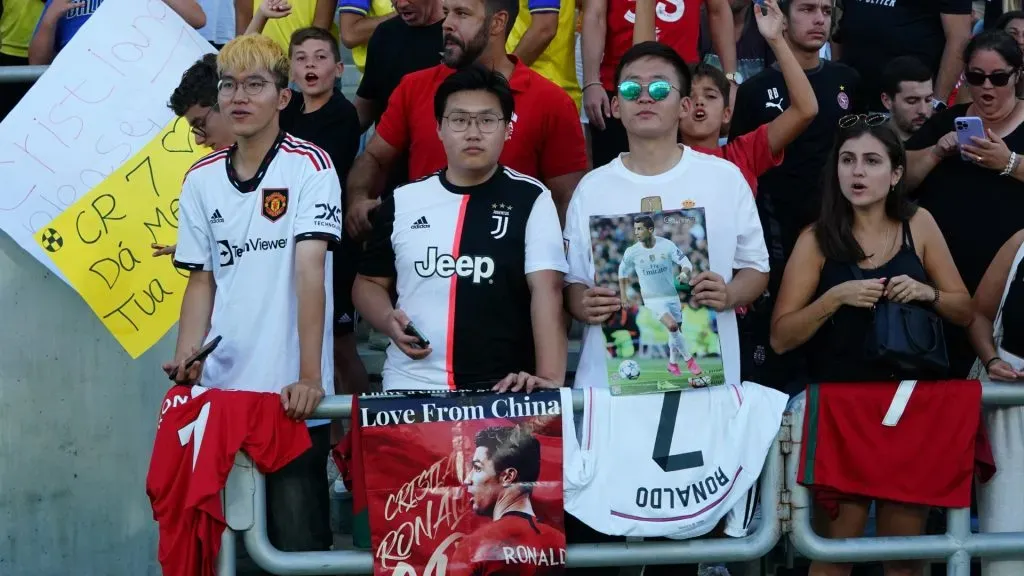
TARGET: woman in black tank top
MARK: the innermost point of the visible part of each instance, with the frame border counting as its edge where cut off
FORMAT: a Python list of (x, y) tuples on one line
[(865, 222)]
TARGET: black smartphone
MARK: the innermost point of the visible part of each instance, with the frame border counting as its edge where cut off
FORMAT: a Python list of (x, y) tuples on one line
[(411, 330), (199, 356)]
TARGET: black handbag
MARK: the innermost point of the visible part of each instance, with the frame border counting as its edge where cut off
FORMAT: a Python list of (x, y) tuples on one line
[(908, 337)]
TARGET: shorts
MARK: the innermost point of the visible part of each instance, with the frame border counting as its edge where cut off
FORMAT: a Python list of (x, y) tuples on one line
[(346, 265), (661, 306)]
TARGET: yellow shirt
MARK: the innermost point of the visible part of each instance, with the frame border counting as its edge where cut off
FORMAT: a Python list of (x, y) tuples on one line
[(17, 25), (281, 29), (370, 9), (558, 61)]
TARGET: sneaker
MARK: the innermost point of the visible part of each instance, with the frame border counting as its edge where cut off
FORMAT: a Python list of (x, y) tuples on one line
[(673, 369), (692, 366)]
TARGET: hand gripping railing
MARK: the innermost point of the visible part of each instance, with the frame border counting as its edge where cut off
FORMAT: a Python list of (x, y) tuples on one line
[(245, 510), (957, 545)]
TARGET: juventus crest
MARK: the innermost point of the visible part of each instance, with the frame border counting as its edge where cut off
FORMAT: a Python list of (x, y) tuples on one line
[(499, 214)]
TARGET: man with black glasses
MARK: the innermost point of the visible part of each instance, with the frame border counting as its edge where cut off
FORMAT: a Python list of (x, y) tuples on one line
[(475, 252)]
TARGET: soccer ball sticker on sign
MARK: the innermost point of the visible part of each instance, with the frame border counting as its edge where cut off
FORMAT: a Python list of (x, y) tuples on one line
[(661, 340)]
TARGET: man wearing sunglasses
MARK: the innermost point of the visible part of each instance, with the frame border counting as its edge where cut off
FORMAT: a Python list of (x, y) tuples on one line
[(652, 82)]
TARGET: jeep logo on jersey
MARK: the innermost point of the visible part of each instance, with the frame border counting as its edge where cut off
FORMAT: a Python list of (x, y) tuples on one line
[(444, 265)]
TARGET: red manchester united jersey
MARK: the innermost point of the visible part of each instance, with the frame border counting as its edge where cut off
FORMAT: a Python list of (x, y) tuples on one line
[(199, 433), (918, 444), (514, 545)]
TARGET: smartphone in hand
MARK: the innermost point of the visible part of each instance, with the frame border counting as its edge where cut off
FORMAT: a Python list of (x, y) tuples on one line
[(410, 330), (198, 356)]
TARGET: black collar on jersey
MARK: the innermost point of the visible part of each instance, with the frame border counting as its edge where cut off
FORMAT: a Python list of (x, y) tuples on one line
[(463, 190), (253, 183)]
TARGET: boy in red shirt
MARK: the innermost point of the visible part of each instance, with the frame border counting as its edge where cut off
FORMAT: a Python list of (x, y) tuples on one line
[(757, 152)]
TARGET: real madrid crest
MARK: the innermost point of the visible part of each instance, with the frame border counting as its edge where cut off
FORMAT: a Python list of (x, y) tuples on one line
[(275, 203)]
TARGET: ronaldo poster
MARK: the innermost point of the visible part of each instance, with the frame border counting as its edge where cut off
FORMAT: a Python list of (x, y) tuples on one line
[(661, 339), (462, 484)]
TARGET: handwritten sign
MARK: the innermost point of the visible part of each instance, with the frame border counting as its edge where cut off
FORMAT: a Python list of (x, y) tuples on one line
[(102, 243), (92, 161)]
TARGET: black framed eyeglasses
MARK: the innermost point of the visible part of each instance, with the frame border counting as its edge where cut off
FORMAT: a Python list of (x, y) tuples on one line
[(867, 120), (657, 90), (199, 128), (998, 78)]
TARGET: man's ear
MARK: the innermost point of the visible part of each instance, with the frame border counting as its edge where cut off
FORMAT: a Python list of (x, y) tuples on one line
[(508, 476), (886, 101), (284, 96)]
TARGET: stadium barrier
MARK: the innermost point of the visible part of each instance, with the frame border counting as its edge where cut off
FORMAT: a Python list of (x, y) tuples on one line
[(958, 545), (245, 511), (13, 74)]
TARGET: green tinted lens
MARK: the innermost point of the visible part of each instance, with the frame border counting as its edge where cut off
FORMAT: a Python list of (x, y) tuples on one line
[(629, 90), (659, 90)]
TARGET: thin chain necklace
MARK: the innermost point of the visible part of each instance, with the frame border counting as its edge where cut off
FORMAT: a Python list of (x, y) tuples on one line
[(886, 246)]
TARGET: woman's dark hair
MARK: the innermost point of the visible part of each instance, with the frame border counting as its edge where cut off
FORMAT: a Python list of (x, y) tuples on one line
[(834, 228), (998, 41), (1008, 17)]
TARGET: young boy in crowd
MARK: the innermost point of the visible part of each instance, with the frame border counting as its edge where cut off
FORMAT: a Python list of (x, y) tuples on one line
[(761, 150), (320, 113)]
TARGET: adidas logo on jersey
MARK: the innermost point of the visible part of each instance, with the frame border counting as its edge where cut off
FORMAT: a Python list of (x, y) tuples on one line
[(421, 223), (216, 218), (445, 265)]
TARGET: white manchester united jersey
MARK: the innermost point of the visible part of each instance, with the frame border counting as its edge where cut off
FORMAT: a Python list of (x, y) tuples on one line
[(245, 232), (670, 464), (655, 267)]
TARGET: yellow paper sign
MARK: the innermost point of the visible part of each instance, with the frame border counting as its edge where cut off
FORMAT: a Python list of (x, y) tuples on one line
[(102, 242)]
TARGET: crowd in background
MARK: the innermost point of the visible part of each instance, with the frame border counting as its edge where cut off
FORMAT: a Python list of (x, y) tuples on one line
[(769, 92)]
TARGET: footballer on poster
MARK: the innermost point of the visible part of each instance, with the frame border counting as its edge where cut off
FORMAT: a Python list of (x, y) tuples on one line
[(661, 339)]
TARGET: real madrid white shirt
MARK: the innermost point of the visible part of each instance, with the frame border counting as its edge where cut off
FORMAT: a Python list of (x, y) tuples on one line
[(245, 232), (698, 180)]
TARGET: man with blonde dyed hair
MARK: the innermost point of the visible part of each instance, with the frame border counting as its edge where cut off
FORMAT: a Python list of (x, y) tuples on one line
[(255, 222)]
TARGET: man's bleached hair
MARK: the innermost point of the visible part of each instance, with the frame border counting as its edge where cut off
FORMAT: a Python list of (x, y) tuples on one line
[(253, 52)]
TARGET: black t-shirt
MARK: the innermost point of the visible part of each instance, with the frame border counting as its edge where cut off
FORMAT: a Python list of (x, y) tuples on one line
[(397, 49), (873, 32), (334, 127), (977, 209), (787, 196)]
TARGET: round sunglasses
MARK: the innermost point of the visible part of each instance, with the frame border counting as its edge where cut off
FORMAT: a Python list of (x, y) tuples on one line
[(657, 90)]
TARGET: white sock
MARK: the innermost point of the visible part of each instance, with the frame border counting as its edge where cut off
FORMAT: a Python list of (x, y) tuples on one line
[(676, 338)]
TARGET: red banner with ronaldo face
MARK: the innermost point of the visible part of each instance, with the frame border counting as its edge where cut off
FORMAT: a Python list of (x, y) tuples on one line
[(464, 483)]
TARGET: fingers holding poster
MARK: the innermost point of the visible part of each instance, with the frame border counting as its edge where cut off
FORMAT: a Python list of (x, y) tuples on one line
[(662, 340), (464, 484), (102, 243)]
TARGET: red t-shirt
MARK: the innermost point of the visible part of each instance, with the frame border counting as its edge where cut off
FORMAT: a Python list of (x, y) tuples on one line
[(751, 153), (200, 431), (929, 457), (514, 545), (546, 141), (676, 24)]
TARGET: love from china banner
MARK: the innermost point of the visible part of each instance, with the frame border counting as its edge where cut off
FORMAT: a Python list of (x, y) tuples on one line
[(92, 161), (464, 483)]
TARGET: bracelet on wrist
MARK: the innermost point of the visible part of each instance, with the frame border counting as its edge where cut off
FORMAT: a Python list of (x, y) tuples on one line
[(1010, 165), (990, 361), (935, 300), (589, 84)]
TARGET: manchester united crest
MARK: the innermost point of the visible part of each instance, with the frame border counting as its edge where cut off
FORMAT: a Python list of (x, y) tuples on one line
[(275, 203)]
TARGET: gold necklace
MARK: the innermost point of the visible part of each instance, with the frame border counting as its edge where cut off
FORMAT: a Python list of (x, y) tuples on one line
[(885, 246)]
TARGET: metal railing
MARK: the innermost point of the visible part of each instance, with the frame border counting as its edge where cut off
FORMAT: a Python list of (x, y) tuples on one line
[(245, 511), (958, 545), (13, 74)]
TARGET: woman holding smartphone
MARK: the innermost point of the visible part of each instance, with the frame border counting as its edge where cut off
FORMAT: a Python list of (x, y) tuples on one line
[(976, 191)]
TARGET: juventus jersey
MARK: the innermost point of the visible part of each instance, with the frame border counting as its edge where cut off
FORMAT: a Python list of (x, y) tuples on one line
[(670, 464), (245, 232), (461, 256), (654, 267)]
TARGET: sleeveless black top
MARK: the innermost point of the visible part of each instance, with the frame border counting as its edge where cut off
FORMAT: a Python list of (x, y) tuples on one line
[(1013, 314), (836, 352)]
